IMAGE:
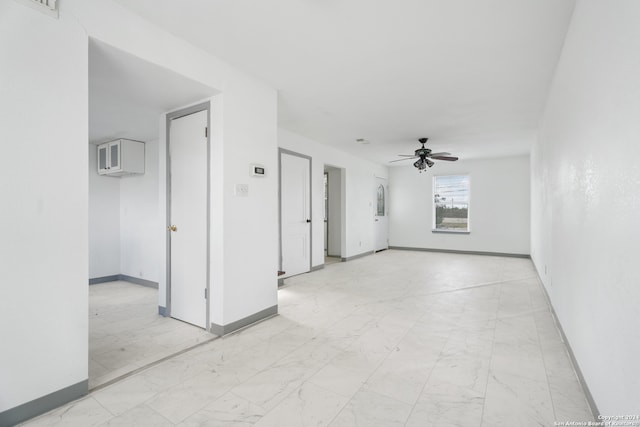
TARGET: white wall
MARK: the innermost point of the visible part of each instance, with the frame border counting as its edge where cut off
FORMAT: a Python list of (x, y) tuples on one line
[(498, 211), (123, 221), (44, 252), (104, 221), (250, 224), (585, 199), (139, 224), (358, 197), (244, 129), (44, 209)]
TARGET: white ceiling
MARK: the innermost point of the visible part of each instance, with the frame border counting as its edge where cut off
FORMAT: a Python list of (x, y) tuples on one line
[(472, 75), (127, 95)]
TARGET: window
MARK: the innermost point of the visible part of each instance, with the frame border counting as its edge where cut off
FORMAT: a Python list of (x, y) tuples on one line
[(380, 204), (451, 203)]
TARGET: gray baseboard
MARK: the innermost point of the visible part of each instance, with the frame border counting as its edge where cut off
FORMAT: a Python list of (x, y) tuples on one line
[(238, 324), (43, 404), (576, 366), (314, 268), (138, 281), (104, 279), (454, 251), (162, 311), (363, 254), (130, 279)]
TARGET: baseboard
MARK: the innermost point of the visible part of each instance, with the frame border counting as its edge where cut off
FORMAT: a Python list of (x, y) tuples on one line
[(363, 254), (314, 268), (126, 278), (104, 279), (454, 251), (576, 366), (138, 281), (239, 324), (43, 404), (162, 311)]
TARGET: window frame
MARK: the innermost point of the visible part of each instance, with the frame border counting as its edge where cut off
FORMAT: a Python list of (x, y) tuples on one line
[(434, 229)]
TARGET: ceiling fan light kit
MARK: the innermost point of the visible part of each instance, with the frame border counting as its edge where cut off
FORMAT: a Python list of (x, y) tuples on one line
[(421, 164), (424, 156)]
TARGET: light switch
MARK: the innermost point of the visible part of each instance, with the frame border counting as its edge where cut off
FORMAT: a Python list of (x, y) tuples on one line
[(242, 190)]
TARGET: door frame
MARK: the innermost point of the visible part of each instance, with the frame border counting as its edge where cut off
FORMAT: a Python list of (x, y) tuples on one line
[(282, 151), (205, 106), (325, 228)]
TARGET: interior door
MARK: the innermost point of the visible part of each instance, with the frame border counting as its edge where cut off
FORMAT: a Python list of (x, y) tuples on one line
[(381, 217), (295, 213), (188, 213)]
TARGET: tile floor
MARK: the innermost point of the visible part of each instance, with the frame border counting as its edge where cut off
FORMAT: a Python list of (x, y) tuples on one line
[(126, 332), (328, 260), (393, 339)]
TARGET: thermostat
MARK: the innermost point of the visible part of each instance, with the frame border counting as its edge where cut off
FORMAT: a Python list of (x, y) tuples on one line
[(258, 170)]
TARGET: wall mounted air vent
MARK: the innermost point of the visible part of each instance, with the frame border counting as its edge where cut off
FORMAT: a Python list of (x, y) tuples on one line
[(51, 4), (49, 7)]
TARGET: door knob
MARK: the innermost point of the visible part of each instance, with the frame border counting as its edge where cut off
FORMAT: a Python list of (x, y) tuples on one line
[(172, 228), (308, 220)]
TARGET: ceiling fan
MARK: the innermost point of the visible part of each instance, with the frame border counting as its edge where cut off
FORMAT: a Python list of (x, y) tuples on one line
[(424, 155)]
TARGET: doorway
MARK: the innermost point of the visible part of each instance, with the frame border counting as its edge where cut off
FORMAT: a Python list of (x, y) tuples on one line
[(127, 327), (295, 213), (333, 213), (381, 214)]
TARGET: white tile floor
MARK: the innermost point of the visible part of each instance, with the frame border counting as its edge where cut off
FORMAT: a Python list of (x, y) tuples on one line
[(126, 332), (328, 260), (396, 338)]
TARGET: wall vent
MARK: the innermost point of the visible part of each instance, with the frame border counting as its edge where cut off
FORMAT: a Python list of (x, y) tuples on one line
[(51, 4), (49, 7)]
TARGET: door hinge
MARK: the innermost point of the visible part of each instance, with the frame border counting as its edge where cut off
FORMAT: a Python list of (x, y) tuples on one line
[(206, 132), (205, 293)]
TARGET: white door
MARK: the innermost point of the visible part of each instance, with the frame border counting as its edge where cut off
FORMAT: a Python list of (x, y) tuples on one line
[(295, 213), (380, 214), (189, 200)]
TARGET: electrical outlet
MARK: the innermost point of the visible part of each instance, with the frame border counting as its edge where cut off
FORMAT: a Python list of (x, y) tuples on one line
[(242, 190)]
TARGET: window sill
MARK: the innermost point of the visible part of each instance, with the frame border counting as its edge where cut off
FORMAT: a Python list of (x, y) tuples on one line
[(450, 231)]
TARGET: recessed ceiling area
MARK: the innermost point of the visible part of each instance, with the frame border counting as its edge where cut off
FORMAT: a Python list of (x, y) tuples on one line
[(127, 95), (471, 75)]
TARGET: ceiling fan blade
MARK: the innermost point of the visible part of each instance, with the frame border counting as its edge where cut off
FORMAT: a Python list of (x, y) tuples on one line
[(407, 155), (407, 158), (439, 154), (448, 158)]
